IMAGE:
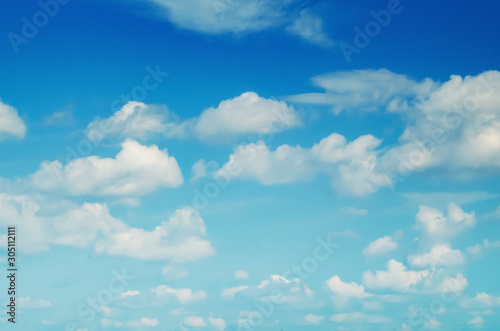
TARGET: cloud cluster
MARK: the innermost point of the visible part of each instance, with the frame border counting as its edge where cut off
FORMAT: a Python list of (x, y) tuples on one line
[(350, 165), (180, 239), (245, 114)]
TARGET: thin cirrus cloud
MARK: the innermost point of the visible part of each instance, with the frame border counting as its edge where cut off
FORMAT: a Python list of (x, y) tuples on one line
[(239, 17), (245, 114), (11, 125)]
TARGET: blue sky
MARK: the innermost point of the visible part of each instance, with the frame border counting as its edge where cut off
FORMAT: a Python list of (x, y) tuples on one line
[(226, 165)]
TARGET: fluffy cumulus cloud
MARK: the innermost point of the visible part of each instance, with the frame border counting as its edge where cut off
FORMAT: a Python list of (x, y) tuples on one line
[(396, 277), (11, 125), (194, 321), (136, 170), (180, 239), (457, 127), (350, 165), (135, 120), (73, 226), (245, 114), (366, 90), (380, 246), (183, 295), (439, 226), (293, 291), (352, 289), (439, 255), (45, 223), (217, 323), (453, 284), (453, 125)]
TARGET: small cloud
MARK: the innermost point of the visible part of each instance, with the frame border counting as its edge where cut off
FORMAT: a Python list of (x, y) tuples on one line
[(60, 118), (380, 246), (355, 211), (309, 27), (127, 294), (313, 319), (241, 274), (229, 293), (195, 321), (29, 303)]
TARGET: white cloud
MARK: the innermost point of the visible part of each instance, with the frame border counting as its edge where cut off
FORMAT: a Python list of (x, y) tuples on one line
[(69, 225), (481, 300), (309, 27), (380, 246), (456, 285), (355, 211), (479, 248), (456, 127), (437, 225), (229, 293), (136, 170), (359, 318), (217, 323), (183, 295), (195, 321), (241, 274), (396, 277), (438, 255), (135, 120), (27, 302), (128, 293), (352, 289), (198, 170), (59, 118), (173, 272), (478, 320), (291, 290), (149, 322), (432, 324), (245, 114), (350, 165), (453, 127), (180, 239), (216, 17), (313, 319), (366, 90), (45, 223), (11, 125)]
